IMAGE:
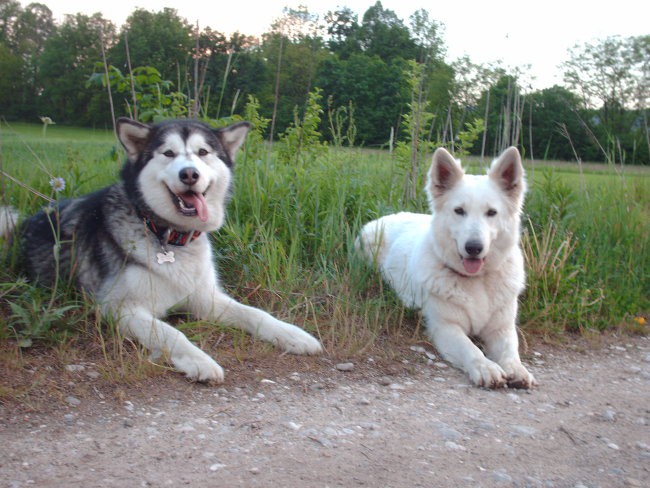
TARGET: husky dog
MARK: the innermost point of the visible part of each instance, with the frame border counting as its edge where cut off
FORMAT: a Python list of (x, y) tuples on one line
[(140, 246), (462, 265)]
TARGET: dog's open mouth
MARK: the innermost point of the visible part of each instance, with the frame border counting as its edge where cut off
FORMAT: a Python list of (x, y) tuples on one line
[(191, 204), (472, 265)]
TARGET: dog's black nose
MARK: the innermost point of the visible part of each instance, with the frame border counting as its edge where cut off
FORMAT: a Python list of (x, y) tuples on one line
[(474, 248), (189, 176)]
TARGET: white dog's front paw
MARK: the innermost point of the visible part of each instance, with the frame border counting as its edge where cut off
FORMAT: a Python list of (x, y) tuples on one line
[(296, 341), (198, 366), (518, 376), (486, 373)]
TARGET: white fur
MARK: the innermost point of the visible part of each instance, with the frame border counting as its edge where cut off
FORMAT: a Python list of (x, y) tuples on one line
[(422, 257)]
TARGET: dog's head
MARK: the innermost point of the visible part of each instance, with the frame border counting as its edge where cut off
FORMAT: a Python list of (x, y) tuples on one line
[(180, 170), (476, 218)]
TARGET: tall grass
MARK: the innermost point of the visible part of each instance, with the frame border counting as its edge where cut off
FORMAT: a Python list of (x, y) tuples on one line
[(287, 245)]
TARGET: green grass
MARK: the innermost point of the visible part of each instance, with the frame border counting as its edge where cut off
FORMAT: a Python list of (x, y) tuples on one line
[(287, 244)]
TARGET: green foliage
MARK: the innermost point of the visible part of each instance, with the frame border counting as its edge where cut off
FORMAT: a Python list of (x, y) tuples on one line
[(154, 98), (468, 137), (302, 140), (341, 123), (411, 151)]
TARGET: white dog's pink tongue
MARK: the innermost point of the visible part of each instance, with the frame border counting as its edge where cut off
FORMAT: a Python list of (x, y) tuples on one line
[(197, 200), (472, 265)]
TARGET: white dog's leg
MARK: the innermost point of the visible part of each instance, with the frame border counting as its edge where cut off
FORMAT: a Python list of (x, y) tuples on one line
[(159, 337), (220, 307), (454, 345), (503, 347)]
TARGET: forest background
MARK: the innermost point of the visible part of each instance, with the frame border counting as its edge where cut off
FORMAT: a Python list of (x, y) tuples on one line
[(370, 73)]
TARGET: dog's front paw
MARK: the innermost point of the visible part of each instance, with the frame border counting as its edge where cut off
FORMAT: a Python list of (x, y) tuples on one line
[(488, 374), (518, 376), (296, 341), (198, 366)]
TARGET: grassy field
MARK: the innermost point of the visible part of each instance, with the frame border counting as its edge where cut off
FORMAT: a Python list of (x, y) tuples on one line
[(287, 245)]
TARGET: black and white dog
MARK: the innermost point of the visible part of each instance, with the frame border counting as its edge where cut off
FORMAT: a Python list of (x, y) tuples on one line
[(140, 247)]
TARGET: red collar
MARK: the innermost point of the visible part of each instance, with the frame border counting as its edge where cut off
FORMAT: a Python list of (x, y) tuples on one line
[(173, 237)]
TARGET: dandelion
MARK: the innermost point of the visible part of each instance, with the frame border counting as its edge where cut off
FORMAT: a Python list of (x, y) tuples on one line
[(640, 320), (57, 184), (46, 121)]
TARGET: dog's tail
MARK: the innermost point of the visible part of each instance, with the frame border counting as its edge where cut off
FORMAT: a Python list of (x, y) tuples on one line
[(8, 219)]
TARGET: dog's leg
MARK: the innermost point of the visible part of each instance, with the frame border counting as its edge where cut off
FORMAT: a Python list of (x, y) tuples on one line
[(161, 338), (452, 343), (219, 307), (502, 346)]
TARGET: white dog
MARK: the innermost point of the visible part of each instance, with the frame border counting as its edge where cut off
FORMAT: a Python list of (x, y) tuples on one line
[(462, 266)]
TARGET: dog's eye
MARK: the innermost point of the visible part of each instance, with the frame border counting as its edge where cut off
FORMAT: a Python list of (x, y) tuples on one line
[(491, 212), (203, 152), (459, 211), (169, 153)]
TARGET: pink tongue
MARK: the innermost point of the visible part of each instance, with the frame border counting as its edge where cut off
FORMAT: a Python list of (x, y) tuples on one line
[(472, 266), (197, 200)]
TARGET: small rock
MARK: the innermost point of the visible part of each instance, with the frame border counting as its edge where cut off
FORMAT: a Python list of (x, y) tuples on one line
[(74, 368), (441, 365), (449, 434), (611, 445), (93, 375), (523, 430), (68, 419), (647, 358), (293, 426), (127, 422), (453, 446), (267, 382), (254, 471), (501, 476), (363, 401), (632, 482), (73, 401), (609, 415), (385, 381), (217, 466), (345, 366)]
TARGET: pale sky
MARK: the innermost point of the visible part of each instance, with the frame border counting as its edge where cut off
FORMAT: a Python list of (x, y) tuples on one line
[(517, 33)]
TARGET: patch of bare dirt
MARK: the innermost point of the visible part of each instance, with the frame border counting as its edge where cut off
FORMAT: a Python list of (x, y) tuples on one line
[(402, 420)]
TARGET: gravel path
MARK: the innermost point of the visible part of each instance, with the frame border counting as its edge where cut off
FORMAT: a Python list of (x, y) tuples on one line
[(587, 425)]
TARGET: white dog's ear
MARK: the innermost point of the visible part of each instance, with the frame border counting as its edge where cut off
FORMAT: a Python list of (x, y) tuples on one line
[(508, 173), (444, 173), (233, 136), (133, 136)]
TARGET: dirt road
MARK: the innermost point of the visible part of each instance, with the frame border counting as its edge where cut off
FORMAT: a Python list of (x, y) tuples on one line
[(587, 425)]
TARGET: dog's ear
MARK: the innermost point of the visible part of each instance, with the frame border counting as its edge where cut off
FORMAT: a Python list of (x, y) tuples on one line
[(444, 173), (508, 173), (133, 136), (232, 137)]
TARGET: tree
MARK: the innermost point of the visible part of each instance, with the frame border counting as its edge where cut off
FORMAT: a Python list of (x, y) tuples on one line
[(24, 33), (384, 34), (555, 118), (343, 31), (159, 39), (379, 91), (68, 59), (611, 75)]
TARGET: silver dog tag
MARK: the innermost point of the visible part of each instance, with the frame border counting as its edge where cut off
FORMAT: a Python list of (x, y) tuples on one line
[(165, 257)]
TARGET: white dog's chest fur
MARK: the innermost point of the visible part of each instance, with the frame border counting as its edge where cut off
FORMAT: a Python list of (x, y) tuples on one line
[(410, 265)]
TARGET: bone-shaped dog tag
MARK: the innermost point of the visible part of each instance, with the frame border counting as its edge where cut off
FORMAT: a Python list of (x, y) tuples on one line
[(165, 257)]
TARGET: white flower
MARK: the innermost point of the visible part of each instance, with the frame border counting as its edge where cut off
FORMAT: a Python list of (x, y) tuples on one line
[(57, 184)]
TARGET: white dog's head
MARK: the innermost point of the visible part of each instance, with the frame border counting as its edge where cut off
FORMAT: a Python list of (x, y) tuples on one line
[(476, 218), (180, 170)]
